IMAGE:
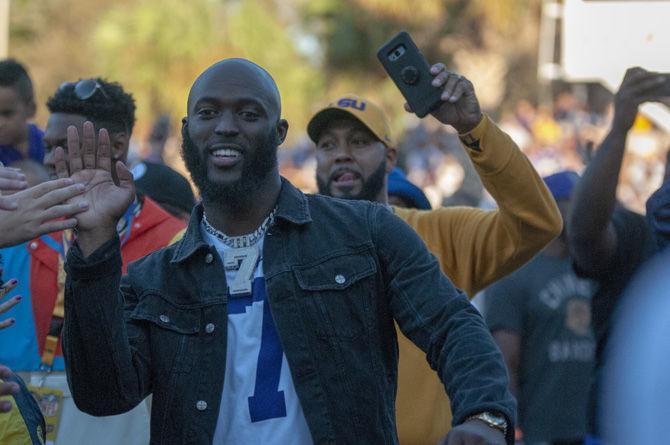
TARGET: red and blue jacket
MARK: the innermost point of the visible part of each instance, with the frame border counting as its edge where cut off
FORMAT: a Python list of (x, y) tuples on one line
[(35, 265)]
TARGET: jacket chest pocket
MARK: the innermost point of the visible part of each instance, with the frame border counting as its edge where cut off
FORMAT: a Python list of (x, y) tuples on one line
[(338, 292), (173, 331)]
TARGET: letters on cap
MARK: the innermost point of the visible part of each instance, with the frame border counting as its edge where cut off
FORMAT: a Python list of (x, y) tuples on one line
[(346, 102)]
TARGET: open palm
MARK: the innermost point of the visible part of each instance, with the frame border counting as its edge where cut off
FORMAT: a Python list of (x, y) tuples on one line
[(91, 165)]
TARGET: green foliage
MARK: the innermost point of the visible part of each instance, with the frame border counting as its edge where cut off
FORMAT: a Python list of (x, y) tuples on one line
[(158, 53), (254, 32), (351, 31), (156, 48)]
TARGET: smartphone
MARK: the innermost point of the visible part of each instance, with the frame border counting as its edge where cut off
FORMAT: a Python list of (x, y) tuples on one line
[(409, 70)]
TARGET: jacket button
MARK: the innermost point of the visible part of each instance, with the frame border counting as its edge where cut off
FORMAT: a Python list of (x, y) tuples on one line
[(339, 279), (209, 328), (164, 318), (34, 245), (201, 405), (209, 258)]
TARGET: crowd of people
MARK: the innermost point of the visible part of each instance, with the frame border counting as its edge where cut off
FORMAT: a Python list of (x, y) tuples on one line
[(136, 314)]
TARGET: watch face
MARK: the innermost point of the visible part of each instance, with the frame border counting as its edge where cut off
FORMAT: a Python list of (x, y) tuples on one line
[(496, 419)]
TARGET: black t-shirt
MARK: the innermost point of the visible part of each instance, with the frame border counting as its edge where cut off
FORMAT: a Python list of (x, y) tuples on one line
[(549, 307), (635, 245)]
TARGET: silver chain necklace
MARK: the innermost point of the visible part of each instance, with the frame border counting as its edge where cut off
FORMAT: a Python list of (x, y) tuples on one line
[(241, 241)]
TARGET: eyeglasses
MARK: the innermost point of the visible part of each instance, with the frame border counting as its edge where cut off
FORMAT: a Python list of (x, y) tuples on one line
[(85, 88)]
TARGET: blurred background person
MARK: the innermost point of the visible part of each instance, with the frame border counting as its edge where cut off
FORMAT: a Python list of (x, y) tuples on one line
[(19, 138), (402, 193), (634, 405), (636, 383), (658, 210), (355, 155), (608, 242), (540, 317), (158, 137), (167, 187)]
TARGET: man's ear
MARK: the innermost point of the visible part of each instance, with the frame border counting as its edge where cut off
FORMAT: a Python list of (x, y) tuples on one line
[(391, 158), (282, 130), (184, 126), (120, 142)]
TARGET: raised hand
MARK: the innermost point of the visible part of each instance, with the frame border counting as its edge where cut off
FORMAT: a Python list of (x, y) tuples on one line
[(460, 107), (90, 164), (41, 209), (638, 86)]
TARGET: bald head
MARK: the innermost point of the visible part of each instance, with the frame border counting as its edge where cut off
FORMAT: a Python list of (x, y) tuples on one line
[(232, 132), (229, 73)]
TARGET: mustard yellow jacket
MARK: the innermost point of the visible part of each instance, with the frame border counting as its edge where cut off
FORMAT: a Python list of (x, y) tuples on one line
[(475, 248)]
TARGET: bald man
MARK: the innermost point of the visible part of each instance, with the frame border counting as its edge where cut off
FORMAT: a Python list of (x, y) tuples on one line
[(272, 320)]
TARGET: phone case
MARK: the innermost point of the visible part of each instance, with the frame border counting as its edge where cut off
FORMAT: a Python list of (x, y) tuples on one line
[(410, 71)]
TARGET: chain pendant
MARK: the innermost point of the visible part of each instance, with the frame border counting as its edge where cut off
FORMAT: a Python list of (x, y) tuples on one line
[(244, 261)]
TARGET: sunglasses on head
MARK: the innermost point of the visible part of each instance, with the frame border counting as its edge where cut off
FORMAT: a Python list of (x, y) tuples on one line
[(85, 88)]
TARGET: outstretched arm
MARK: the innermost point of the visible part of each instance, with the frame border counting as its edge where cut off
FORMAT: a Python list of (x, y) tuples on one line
[(591, 233), (478, 247), (41, 209), (100, 358)]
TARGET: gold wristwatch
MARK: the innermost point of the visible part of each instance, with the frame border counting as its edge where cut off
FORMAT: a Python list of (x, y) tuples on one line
[(493, 420)]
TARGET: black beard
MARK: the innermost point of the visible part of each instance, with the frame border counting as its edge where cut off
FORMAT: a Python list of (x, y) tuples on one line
[(236, 195), (370, 190)]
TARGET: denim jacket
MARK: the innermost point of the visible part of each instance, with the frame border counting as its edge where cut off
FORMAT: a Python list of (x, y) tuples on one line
[(338, 274)]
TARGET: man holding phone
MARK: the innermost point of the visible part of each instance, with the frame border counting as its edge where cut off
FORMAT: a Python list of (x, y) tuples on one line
[(355, 153), (608, 242)]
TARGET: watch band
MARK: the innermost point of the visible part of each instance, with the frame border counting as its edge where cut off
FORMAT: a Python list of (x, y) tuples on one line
[(493, 420)]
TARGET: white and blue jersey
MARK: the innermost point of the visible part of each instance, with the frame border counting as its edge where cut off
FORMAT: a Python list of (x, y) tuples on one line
[(259, 403)]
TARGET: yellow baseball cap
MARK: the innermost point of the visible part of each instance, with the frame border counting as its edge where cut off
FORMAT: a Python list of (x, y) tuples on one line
[(350, 105)]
